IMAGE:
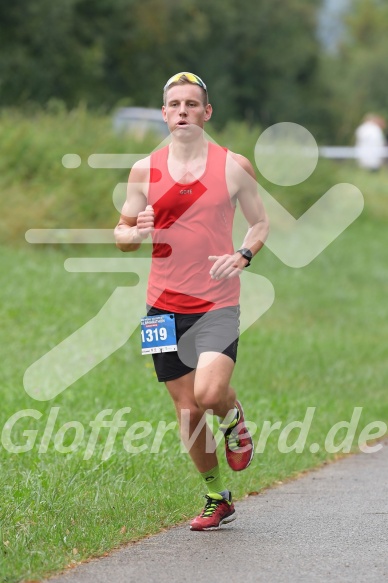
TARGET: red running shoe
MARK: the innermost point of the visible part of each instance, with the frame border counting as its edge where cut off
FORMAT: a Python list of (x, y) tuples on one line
[(217, 511), (238, 442)]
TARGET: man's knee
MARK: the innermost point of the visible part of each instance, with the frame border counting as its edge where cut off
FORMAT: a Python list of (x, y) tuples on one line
[(209, 395)]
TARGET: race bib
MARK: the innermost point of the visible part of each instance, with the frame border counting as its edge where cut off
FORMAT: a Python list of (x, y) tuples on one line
[(158, 334)]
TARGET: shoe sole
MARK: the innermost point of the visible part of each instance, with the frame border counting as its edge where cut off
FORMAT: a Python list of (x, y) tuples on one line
[(224, 521)]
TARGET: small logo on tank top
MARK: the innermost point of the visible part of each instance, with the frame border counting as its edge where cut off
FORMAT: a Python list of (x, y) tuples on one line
[(186, 191)]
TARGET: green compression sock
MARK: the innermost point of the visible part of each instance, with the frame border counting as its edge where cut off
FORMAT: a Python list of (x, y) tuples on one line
[(213, 480)]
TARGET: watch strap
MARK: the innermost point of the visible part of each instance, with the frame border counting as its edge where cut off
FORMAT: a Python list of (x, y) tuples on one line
[(247, 254)]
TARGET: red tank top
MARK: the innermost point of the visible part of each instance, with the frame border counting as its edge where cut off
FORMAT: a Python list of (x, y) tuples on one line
[(192, 221)]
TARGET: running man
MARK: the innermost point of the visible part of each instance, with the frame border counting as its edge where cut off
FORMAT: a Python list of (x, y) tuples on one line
[(184, 195)]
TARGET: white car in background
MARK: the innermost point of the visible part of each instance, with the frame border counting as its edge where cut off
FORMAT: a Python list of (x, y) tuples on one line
[(139, 121)]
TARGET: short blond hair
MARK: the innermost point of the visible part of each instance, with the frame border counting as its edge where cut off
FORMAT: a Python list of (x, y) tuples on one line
[(183, 80)]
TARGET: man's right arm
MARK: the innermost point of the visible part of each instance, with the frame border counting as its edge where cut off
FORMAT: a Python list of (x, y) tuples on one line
[(137, 219)]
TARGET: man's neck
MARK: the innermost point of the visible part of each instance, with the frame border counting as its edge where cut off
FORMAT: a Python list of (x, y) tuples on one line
[(184, 152)]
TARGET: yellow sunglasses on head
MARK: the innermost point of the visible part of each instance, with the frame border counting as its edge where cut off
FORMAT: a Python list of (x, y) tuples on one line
[(190, 77)]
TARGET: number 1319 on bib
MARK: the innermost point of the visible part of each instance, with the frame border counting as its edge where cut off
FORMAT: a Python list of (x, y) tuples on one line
[(158, 334)]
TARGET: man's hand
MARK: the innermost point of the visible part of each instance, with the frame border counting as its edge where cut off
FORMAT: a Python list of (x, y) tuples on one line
[(145, 222), (227, 266)]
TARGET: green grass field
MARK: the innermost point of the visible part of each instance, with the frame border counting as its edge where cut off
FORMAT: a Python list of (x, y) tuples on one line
[(322, 344)]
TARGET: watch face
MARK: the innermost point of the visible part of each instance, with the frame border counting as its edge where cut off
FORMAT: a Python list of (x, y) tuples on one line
[(247, 253)]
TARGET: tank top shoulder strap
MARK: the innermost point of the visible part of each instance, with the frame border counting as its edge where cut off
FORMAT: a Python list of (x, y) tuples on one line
[(158, 164), (217, 160), (217, 154)]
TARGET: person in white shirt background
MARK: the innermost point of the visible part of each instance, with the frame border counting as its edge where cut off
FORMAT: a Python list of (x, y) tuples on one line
[(370, 142)]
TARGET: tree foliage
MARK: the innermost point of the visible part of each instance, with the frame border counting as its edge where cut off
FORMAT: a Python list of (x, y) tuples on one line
[(357, 77), (258, 57)]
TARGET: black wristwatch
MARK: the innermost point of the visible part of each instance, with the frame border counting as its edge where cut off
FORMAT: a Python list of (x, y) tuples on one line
[(247, 254)]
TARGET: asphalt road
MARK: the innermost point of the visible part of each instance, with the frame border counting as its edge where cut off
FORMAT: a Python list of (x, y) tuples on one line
[(330, 525)]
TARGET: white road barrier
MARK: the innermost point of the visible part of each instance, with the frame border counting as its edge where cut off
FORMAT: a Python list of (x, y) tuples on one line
[(345, 152)]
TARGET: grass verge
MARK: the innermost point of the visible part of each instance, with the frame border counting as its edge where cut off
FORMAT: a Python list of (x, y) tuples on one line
[(322, 345)]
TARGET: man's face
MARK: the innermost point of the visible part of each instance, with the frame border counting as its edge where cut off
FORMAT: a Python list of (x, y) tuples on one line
[(185, 108)]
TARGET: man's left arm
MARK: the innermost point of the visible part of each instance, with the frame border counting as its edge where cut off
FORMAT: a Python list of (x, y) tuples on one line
[(241, 180)]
